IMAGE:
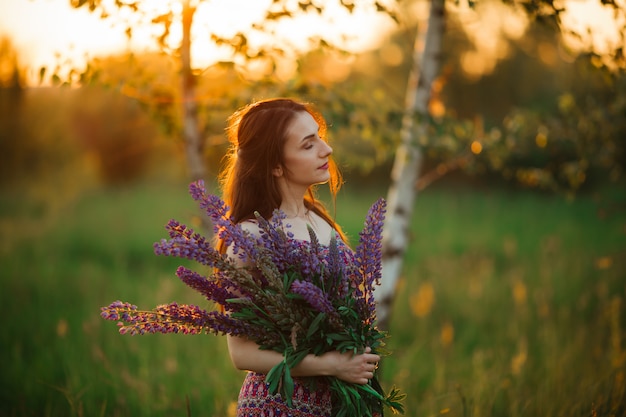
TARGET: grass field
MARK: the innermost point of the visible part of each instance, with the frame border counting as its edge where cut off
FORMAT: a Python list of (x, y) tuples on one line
[(511, 304)]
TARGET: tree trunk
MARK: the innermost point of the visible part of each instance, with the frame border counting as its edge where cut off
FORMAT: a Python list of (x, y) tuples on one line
[(408, 159), (191, 133)]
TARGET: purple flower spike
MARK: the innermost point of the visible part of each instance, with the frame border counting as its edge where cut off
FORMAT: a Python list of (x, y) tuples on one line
[(232, 234), (118, 310), (313, 295), (171, 318), (211, 289), (274, 239), (335, 269), (369, 255), (369, 250), (288, 295), (185, 243)]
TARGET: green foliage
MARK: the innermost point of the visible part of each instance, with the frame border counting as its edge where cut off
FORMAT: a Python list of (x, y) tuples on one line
[(526, 314), (515, 115), (501, 322), (95, 251), (116, 132), (542, 118), (538, 120), (104, 135), (35, 139)]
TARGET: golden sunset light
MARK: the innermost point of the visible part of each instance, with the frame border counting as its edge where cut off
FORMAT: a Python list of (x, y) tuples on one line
[(489, 26), (598, 25), (50, 33), (226, 207)]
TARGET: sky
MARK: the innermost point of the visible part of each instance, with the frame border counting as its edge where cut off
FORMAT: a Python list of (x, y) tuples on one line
[(50, 32)]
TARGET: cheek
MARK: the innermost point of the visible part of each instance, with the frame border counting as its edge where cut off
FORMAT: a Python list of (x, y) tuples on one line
[(293, 162)]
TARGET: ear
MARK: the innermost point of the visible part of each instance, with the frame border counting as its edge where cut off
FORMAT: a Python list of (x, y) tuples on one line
[(278, 171)]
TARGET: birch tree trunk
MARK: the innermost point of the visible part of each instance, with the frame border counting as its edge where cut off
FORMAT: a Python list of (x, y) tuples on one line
[(191, 133), (406, 168)]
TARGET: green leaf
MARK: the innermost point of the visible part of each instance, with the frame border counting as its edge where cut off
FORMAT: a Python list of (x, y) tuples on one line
[(315, 325), (296, 358), (368, 388), (393, 401), (42, 74), (338, 337), (288, 279), (274, 376), (288, 386), (238, 300)]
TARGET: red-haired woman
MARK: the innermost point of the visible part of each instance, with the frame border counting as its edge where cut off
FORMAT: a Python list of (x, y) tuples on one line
[(279, 153)]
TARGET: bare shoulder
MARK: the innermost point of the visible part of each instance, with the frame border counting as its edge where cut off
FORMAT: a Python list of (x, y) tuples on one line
[(251, 226), (322, 228), (299, 228)]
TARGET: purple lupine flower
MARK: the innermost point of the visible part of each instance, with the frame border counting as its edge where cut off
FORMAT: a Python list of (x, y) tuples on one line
[(369, 257), (312, 263), (335, 267), (332, 280), (213, 289), (172, 318), (274, 239), (241, 242), (185, 243), (313, 295), (306, 259), (317, 299), (269, 273), (118, 310), (369, 251)]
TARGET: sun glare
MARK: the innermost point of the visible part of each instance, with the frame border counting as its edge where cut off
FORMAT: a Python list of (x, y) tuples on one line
[(50, 33), (598, 25), (490, 26)]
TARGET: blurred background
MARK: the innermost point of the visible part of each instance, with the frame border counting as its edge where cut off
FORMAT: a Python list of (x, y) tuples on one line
[(511, 298)]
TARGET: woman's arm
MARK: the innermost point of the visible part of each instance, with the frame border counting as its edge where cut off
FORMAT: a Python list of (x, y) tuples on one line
[(246, 354), (357, 369)]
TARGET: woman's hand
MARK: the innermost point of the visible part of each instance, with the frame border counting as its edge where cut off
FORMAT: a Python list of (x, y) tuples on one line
[(356, 369)]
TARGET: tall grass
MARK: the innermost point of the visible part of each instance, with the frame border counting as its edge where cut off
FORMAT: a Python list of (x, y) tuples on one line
[(511, 304)]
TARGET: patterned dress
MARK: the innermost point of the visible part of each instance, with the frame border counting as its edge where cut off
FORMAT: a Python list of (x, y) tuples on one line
[(312, 395), (311, 398)]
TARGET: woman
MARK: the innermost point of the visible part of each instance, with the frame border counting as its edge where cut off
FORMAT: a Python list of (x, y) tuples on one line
[(278, 154)]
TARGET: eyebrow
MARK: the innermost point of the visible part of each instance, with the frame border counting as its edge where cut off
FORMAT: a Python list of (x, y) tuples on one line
[(312, 135)]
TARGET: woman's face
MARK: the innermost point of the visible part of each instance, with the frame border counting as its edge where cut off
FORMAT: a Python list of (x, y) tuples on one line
[(305, 153)]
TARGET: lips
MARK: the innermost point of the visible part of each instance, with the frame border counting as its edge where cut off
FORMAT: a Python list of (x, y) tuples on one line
[(325, 166)]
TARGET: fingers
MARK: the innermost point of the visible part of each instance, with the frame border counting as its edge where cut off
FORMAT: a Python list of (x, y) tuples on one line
[(371, 358), (365, 377), (369, 363), (358, 369), (369, 370)]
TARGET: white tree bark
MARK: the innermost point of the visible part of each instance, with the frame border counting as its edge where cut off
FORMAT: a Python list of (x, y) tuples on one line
[(402, 192), (191, 133)]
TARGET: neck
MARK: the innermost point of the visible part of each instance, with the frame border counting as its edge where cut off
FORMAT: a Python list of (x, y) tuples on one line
[(293, 210), (293, 200)]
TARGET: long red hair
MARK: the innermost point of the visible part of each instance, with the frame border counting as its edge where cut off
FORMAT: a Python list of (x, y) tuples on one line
[(257, 135)]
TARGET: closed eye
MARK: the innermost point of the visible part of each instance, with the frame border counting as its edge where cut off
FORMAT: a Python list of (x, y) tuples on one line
[(309, 142)]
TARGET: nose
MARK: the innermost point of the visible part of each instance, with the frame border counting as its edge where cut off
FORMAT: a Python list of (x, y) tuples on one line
[(326, 149)]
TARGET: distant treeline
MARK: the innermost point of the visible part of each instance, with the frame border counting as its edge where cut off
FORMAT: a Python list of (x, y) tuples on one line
[(555, 124)]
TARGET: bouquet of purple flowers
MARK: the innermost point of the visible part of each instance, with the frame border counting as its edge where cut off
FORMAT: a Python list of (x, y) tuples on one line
[(295, 297)]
